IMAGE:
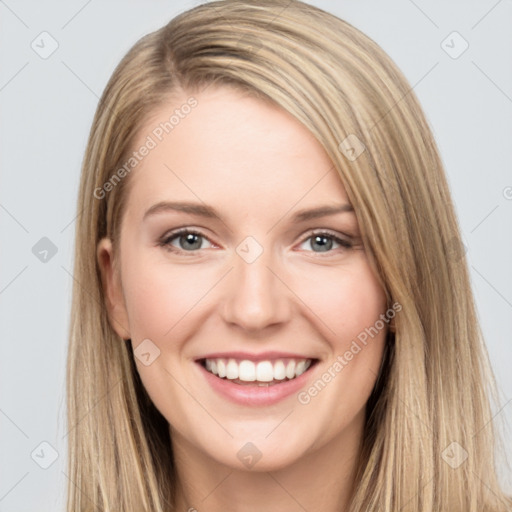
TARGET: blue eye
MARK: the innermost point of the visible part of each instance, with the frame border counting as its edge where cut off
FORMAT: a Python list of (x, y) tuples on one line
[(188, 241), (324, 242)]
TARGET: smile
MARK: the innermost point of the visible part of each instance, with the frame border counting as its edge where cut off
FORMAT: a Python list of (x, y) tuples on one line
[(262, 373), (251, 379)]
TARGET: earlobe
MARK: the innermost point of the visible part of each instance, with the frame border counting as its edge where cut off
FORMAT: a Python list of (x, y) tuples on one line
[(111, 281)]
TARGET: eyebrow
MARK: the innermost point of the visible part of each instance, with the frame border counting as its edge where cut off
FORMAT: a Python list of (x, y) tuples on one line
[(206, 211)]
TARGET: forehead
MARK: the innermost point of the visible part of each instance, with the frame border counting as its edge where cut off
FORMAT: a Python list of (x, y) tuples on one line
[(233, 151)]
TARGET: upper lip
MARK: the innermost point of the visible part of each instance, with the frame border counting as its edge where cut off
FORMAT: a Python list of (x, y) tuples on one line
[(262, 356)]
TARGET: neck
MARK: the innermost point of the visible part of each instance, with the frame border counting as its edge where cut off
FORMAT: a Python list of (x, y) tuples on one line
[(321, 479)]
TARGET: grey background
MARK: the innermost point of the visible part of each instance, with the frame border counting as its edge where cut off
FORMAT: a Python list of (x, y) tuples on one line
[(47, 108)]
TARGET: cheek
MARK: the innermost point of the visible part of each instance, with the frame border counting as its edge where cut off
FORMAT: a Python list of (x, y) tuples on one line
[(348, 304), (158, 295), (344, 300)]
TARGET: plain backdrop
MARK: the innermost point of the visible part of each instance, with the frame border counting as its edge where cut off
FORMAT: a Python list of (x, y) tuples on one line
[(47, 106)]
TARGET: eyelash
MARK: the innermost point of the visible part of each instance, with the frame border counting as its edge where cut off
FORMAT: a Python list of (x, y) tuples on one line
[(165, 242)]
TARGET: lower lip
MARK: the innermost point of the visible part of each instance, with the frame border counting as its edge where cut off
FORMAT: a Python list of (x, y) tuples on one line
[(255, 395)]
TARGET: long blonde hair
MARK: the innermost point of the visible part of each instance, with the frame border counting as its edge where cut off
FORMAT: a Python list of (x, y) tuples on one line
[(431, 403)]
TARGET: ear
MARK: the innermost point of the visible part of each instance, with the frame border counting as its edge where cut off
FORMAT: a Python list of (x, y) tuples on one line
[(111, 280)]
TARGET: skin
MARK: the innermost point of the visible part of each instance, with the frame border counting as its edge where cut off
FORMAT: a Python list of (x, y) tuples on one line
[(256, 165)]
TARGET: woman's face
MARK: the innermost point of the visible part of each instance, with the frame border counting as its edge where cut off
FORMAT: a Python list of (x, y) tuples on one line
[(268, 284)]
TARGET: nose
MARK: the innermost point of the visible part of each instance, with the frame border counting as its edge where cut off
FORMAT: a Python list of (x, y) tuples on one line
[(256, 296)]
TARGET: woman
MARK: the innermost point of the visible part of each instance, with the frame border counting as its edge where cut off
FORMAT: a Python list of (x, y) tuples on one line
[(272, 310)]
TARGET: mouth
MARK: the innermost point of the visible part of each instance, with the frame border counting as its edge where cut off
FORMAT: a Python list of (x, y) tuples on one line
[(263, 373)]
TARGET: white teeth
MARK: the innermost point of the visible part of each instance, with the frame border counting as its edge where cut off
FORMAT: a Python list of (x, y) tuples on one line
[(290, 369), (279, 370), (263, 372), (247, 371), (231, 369), (221, 368), (299, 370)]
